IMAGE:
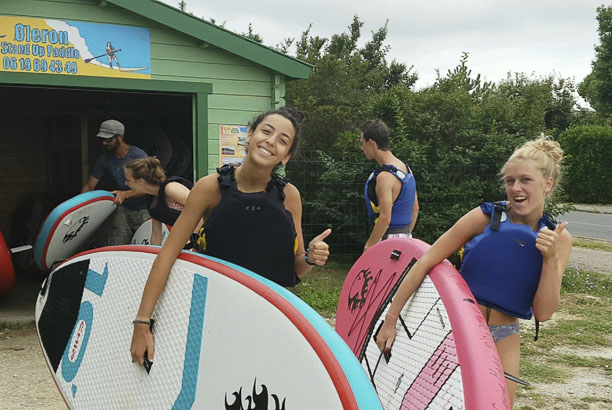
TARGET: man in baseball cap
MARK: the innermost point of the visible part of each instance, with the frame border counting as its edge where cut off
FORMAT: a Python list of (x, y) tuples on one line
[(110, 128), (131, 211)]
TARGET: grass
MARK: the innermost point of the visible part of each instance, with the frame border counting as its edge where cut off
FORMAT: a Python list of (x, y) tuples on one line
[(592, 244), (592, 283), (321, 289)]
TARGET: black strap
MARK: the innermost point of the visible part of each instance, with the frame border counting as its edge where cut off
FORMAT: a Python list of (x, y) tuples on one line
[(227, 179), (279, 182), (498, 209), (550, 222), (226, 176), (537, 330)]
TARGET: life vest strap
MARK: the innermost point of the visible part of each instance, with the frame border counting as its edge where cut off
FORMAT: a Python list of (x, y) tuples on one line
[(499, 209)]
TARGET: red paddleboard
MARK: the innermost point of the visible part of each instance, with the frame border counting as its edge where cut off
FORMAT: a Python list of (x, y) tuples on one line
[(7, 271)]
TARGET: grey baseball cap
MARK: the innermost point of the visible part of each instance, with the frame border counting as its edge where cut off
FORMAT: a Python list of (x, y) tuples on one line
[(110, 128)]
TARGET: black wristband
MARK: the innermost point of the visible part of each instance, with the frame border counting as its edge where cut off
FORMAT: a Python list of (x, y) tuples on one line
[(141, 322), (306, 259)]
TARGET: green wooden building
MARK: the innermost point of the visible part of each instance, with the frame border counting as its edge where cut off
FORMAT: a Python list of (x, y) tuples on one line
[(177, 82)]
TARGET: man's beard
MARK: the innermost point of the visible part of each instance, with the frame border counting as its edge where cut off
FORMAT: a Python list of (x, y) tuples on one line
[(111, 148)]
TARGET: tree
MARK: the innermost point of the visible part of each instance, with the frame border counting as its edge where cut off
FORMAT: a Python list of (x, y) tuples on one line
[(597, 86), (455, 135), (253, 35), (339, 93)]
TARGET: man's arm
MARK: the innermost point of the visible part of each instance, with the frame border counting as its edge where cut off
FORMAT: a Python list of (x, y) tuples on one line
[(415, 213), (90, 185), (384, 194)]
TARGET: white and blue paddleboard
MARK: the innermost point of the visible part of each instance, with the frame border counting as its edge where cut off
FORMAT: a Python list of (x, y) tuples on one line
[(225, 338), (142, 236), (70, 225)]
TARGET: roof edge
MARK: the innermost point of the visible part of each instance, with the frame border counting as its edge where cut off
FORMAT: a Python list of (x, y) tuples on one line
[(217, 36)]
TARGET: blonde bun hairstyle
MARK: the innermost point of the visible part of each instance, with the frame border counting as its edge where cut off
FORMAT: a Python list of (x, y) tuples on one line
[(545, 153)]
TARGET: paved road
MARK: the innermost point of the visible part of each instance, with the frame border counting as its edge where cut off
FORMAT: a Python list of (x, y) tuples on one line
[(589, 225)]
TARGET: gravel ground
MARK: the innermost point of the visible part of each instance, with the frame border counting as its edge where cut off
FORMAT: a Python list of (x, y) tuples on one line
[(591, 259), (26, 382)]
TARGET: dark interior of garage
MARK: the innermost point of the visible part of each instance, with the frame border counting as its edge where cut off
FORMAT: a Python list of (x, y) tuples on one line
[(48, 144)]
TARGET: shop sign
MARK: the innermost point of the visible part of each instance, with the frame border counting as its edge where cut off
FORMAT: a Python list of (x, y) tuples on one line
[(67, 47)]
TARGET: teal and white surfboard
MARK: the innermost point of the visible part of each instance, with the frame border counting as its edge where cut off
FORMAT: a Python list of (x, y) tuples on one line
[(225, 338)]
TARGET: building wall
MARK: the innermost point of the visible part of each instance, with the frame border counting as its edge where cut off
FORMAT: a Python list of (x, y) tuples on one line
[(241, 89)]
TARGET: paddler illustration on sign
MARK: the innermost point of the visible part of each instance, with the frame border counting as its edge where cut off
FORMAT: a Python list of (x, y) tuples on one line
[(110, 51)]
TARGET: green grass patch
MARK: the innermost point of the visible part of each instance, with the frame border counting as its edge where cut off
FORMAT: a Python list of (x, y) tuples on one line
[(539, 402), (321, 288), (592, 283), (543, 373), (592, 244), (587, 362), (597, 400), (585, 320)]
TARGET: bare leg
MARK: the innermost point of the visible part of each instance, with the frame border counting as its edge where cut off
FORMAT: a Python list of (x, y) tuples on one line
[(509, 350)]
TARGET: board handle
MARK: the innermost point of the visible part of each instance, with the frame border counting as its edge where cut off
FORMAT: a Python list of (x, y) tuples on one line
[(147, 363)]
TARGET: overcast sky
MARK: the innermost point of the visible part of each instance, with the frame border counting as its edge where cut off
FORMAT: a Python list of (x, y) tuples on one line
[(537, 37)]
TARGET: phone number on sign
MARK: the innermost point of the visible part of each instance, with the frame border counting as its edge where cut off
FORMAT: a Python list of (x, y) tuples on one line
[(38, 65)]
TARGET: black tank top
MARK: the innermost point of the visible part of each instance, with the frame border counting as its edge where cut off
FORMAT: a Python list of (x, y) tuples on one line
[(253, 230), (160, 210)]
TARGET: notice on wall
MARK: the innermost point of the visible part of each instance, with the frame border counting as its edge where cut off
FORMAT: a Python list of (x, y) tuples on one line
[(66, 47), (232, 144)]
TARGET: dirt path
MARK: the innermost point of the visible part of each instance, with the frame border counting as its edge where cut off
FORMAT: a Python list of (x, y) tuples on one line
[(26, 382), (586, 388)]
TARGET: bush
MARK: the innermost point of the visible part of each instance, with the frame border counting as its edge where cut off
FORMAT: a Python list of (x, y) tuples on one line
[(587, 164)]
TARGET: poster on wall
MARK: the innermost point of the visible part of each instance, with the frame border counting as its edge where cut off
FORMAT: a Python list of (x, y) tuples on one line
[(66, 47), (232, 144)]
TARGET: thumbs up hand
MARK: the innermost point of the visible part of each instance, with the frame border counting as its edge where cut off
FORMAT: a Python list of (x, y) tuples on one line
[(318, 250), (547, 239)]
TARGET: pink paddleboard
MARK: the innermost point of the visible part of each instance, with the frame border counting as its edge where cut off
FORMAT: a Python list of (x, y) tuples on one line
[(443, 355)]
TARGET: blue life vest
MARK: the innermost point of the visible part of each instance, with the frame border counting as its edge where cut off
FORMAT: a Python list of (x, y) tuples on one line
[(401, 213), (502, 265), (253, 230)]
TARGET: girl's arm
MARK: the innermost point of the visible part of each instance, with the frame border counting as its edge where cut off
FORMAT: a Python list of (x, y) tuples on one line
[(556, 247), (470, 225), (318, 250), (203, 198), (178, 193)]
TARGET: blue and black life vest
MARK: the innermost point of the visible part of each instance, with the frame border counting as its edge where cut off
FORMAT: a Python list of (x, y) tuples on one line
[(160, 210), (502, 265), (401, 213), (253, 230)]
